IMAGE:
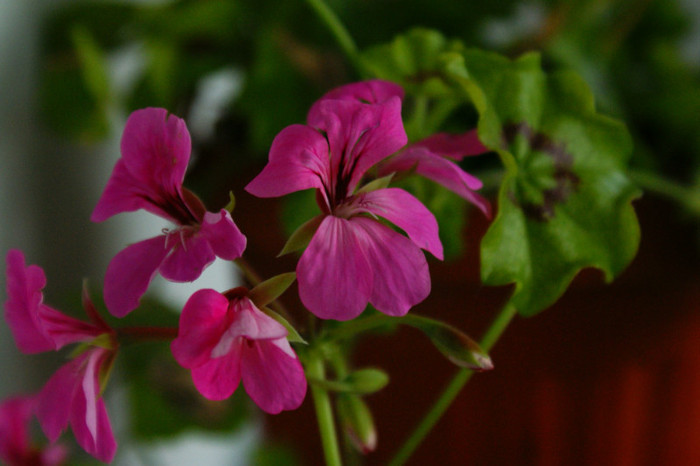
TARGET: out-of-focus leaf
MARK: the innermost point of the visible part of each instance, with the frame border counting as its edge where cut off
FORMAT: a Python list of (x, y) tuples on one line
[(565, 202)]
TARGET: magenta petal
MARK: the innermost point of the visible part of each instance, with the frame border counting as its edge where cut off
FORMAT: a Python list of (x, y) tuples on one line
[(56, 398), (401, 276), (271, 377), (189, 256), (454, 146), (156, 148), (88, 417), (373, 91), (130, 272), (202, 323), (335, 279), (407, 213), (24, 300), (360, 135), (223, 235), (298, 161), (219, 378), (251, 323), (440, 170), (124, 193)]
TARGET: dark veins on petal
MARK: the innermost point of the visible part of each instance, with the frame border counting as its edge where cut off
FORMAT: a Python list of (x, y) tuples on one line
[(566, 181)]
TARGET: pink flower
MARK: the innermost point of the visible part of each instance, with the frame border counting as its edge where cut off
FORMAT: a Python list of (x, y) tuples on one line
[(433, 157), (16, 448), (225, 338), (353, 258), (73, 392), (155, 150)]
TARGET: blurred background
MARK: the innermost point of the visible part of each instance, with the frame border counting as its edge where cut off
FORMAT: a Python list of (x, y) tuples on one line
[(609, 375)]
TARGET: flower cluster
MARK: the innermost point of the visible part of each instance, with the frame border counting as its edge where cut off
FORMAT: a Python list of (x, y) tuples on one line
[(364, 247)]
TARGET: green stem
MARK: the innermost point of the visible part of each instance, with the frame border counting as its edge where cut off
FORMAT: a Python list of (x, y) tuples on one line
[(342, 36), (324, 411), (684, 195), (460, 379)]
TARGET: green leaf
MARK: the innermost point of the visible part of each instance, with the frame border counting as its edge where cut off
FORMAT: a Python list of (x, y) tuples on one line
[(93, 64), (271, 289), (457, 346), (413, 60), (379, 183), (565, 201)]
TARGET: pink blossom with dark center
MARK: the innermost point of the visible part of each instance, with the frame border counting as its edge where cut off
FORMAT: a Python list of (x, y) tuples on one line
[(353, 258), (225, 339), (155, 149)]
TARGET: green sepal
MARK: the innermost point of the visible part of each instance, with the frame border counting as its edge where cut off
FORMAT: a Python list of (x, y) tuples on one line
[(231, 203), (565, 200), (379, 183), (454, 344), (269, 290), (302, 236), (292, 335), (357, 422)]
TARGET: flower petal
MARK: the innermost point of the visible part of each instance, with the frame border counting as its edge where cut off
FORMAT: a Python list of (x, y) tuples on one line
[(373, 91), (57, 397), (440, 170), (359, 135), (35, 326), (88, 417), (251, 323), (156, 148), (124, 193), (298, 160), (335, 279), (189, 255), (223, 235), (24, 298), (273, 379), (202, 323), (407, 213), (401, 277), (219, 378), (130, 272)]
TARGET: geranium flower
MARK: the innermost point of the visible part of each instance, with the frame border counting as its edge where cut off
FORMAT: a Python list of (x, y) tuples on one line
[(155, 151), (353, 258), (225, 339), (16, 447), (433, 157), (73, 392)]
